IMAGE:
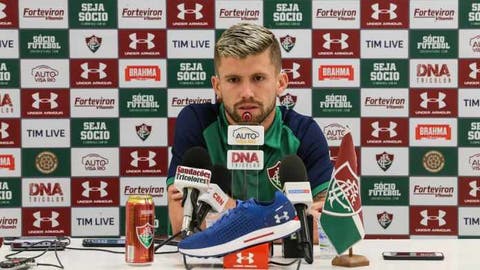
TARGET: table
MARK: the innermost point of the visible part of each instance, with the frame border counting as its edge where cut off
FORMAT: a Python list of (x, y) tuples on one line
[(459, 254)]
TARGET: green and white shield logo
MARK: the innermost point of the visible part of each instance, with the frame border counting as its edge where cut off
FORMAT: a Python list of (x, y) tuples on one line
[(273, 175), (145, 234)]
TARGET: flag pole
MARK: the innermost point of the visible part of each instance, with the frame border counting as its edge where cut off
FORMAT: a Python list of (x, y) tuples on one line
[(350, 260), (343, 193)]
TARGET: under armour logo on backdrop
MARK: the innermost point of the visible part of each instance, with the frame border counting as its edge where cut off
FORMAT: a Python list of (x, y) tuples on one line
[(426, 218), (135, 41), (87, 189), (3, 130), (196, 11), (439, 100), (293, 71), (51, 100), (52, 219), (329, 41), (87, 70), (136, 158), (475, 189), (390, 129), (3, 15), (390, 11), (474, 70)]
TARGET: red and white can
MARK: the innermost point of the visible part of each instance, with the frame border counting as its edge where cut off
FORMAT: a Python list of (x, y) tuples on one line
[(139, 229)]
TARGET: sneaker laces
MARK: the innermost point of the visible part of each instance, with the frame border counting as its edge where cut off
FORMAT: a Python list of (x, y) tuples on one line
[(240, 206)]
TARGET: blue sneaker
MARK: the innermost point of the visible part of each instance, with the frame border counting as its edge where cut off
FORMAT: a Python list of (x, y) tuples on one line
[(250, 223)]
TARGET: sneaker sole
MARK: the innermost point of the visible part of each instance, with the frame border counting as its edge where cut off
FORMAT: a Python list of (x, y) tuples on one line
[(254, 238)]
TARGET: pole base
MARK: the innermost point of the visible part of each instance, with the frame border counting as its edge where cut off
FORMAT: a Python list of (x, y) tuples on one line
[(350, 260)]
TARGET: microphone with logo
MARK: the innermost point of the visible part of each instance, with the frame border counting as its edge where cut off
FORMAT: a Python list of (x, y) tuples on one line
[(192, 178), (217, 195), (245, 155), (293, 176)]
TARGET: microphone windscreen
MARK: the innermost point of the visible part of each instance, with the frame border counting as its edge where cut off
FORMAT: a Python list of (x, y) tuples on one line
[(197, 157), (292, 169), (222, 177)]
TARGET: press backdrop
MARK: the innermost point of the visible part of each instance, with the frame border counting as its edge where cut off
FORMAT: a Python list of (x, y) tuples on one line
[(90, 89)]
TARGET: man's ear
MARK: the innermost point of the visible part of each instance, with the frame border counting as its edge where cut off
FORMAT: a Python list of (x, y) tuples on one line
[(216, 86), (282, 83)]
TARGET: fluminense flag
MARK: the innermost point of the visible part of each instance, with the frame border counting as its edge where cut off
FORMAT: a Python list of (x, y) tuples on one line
[(342, 212)]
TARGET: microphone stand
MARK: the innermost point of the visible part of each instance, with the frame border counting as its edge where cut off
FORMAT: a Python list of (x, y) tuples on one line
[(305, 241), (190, 226)]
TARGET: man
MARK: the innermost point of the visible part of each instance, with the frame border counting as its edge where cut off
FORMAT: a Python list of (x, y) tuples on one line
[(248, 79)]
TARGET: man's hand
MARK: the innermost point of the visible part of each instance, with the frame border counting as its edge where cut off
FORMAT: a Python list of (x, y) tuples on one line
[(174, 194), (315, 211), (175, 209)]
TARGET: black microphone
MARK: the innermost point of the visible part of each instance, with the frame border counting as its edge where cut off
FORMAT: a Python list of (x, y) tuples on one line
[(293, 176), (217, 194), (192, 177)]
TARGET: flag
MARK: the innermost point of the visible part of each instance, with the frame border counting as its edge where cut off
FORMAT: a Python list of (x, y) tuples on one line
[(341, 217)]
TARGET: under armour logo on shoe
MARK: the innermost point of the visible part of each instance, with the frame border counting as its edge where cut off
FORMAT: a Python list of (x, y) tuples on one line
[(285, 216), (135, 41)]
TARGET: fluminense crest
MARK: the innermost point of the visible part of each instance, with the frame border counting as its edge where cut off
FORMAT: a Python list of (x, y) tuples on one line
[(145, 234), (344, 192)]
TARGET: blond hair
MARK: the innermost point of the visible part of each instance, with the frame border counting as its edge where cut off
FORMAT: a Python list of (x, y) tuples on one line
[(244, 39)]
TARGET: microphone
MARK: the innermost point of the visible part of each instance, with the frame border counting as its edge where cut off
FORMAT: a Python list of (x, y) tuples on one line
[(217, 194), (192, 177), (246, 117), (245, 153), (293, 176)]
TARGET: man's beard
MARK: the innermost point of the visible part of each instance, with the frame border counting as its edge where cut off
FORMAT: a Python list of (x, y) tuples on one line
[(256, 119)]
